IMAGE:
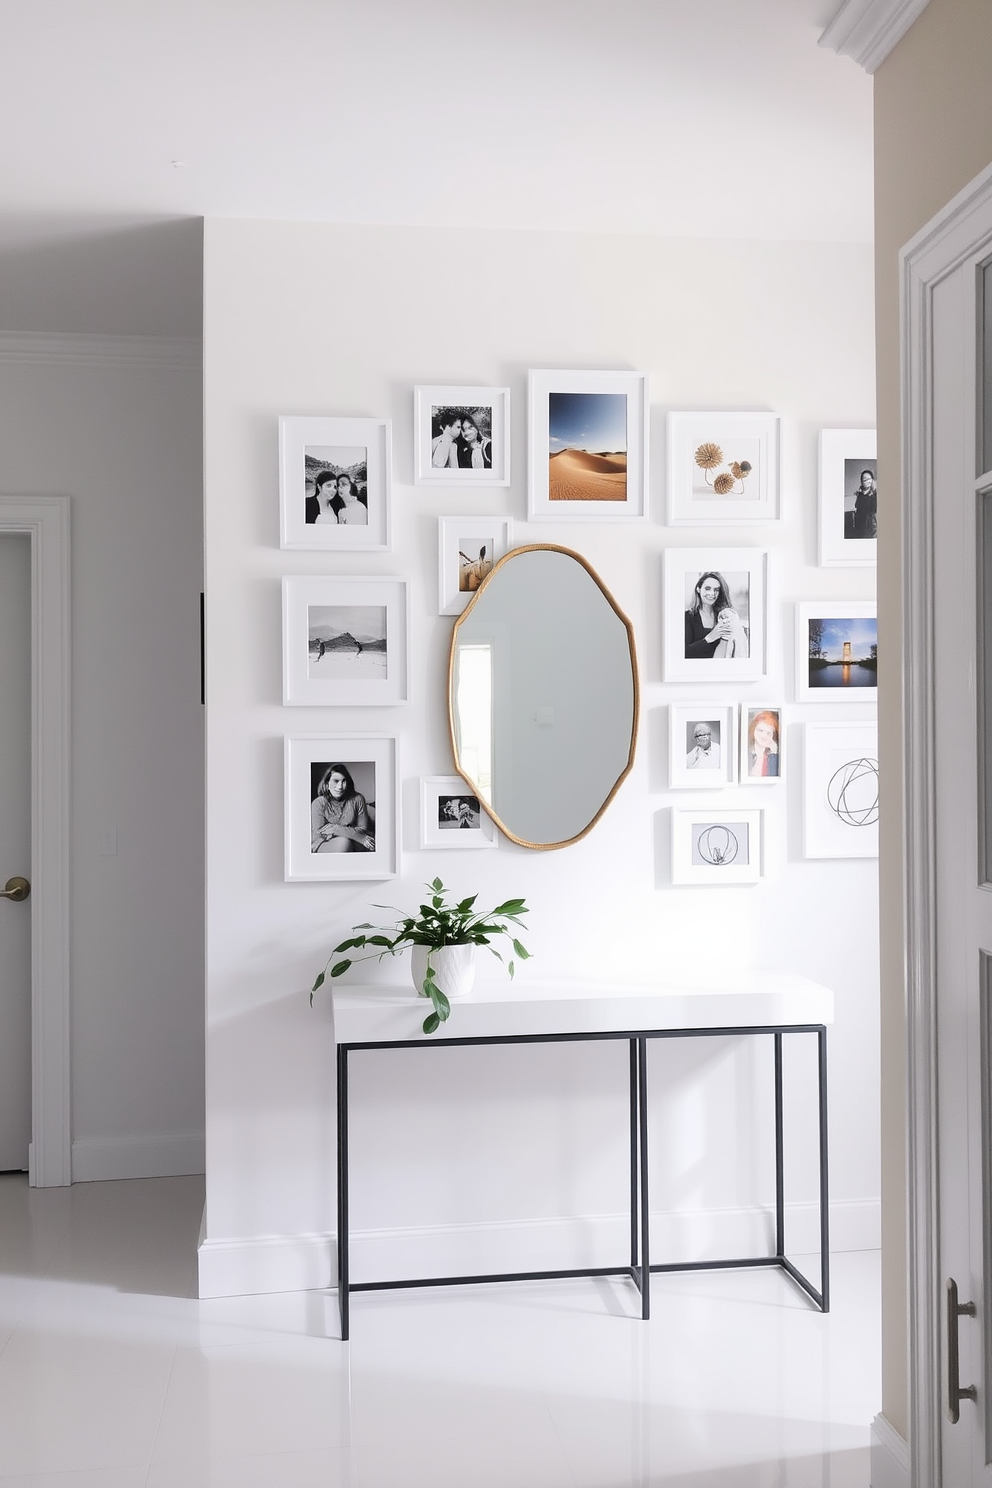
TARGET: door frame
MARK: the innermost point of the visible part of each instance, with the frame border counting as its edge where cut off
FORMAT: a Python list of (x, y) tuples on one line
[(960, 231), (45, 521)]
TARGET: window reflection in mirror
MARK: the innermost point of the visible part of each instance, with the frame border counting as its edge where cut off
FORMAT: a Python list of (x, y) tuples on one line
[(549, 718)]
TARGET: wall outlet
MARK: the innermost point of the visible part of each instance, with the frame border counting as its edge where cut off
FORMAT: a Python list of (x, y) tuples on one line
[(106, 842)]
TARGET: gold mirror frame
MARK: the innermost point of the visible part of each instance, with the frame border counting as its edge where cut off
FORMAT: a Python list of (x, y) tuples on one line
[(636, 700)]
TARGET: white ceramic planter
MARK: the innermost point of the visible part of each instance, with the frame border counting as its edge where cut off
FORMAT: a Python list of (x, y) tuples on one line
[(454, 968)]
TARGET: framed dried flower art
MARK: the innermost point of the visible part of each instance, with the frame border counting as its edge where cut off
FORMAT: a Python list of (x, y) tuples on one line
[(723, 468)]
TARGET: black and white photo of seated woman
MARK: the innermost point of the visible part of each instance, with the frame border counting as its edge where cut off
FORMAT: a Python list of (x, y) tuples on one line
[(716, 620), (461, 438), (341, 818)]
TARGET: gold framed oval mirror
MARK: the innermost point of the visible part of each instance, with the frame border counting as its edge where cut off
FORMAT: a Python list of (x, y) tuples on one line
[(543, 695)]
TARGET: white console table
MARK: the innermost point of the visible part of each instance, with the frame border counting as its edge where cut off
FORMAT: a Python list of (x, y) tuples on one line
[(765, 1004)]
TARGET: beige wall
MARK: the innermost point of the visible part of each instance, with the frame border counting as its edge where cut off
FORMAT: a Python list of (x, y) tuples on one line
[(933, 134)]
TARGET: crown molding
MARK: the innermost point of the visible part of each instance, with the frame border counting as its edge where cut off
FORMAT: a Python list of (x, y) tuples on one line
[(867, 30), (37, 348)]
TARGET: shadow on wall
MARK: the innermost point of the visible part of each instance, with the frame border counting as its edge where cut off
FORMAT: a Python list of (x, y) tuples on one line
[(112, 276)]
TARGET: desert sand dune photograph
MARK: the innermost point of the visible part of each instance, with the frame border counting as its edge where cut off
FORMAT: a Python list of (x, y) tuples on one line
[(578, 475)]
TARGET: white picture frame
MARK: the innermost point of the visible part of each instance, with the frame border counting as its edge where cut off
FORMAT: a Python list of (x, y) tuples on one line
[(313, 450), (822, 674), (743, 575), (709, 451), (847, 510), (345, 642), (452, 816), (714, 845), (441, 456), (840, 790), (762, 744), (468, 547), (595, 424), (702, 745), (372, 764)]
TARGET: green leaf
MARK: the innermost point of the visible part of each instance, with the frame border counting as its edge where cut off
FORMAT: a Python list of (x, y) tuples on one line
[(437, 886), (510, 968), (431, 1022), (521, 951), (466, 905), (339, 968), (347, 945), (441, 1004), (380, 940), (511, 907), (319, 982)]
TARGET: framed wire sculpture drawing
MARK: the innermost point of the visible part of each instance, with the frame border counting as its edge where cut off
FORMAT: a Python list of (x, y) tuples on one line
[(840, 790), (716, 847)]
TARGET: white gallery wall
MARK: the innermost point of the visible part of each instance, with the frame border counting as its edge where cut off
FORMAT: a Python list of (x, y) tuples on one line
[(464, 1156), (114, 423)]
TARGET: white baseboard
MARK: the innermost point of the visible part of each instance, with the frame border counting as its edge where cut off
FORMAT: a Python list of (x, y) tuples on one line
[(265, 1263), (97, 1158), (286, 1263), (889, 1456)]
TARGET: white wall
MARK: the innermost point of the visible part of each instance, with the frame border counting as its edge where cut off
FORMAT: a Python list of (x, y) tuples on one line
[(315, 319), (116, 426)]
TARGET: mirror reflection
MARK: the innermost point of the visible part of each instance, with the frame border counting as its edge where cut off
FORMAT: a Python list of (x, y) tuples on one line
[(543, 695)]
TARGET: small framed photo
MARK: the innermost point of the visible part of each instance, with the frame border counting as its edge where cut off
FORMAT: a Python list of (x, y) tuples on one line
[(334, 484), (587, 447), (723, 468), (715, 601), (345, 642), (840, 790), (702, 745), (848, 498), (467, 549), (710, 847), (341, 795), (461, 436), (451, 816), (762, 752), (836, 651)]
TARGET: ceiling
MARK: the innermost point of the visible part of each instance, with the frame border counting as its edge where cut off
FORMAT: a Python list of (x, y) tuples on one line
[(688, 118)]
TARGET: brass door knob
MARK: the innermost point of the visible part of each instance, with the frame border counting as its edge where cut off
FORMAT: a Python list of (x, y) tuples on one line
[(16, 889)]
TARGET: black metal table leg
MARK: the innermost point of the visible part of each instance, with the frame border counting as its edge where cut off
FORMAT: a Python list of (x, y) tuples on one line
[(642, 1124), (821, 1039), (343, 1236), (634, 1147), (779, 1153)]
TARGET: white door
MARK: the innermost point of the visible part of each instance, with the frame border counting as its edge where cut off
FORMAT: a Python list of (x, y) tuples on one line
[(15, 849), (962, 692)]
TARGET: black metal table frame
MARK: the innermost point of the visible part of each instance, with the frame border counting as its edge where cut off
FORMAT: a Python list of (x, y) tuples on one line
[(640, 1267)]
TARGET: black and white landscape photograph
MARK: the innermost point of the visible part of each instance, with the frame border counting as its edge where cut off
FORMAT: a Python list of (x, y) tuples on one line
[(347, 643)]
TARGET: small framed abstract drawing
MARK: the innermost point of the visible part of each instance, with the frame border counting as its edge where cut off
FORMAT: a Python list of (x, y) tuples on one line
[(345, 642), (712, 846), (587, 447), (451, 816), (836, 651), (467, 549), (714, 614), (340, 804), (702, 745), (848, 498), (461, 436), (723, 468), (334, 484), (762, 751), (840, 790)]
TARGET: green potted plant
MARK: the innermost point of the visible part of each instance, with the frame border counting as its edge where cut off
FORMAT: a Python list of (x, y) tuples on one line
[(443, 938)]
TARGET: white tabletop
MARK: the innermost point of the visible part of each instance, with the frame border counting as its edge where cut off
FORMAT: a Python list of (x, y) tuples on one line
[(386, 1014)]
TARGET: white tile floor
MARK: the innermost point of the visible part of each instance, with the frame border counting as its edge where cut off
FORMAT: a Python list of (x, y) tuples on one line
[(112, 1375)]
